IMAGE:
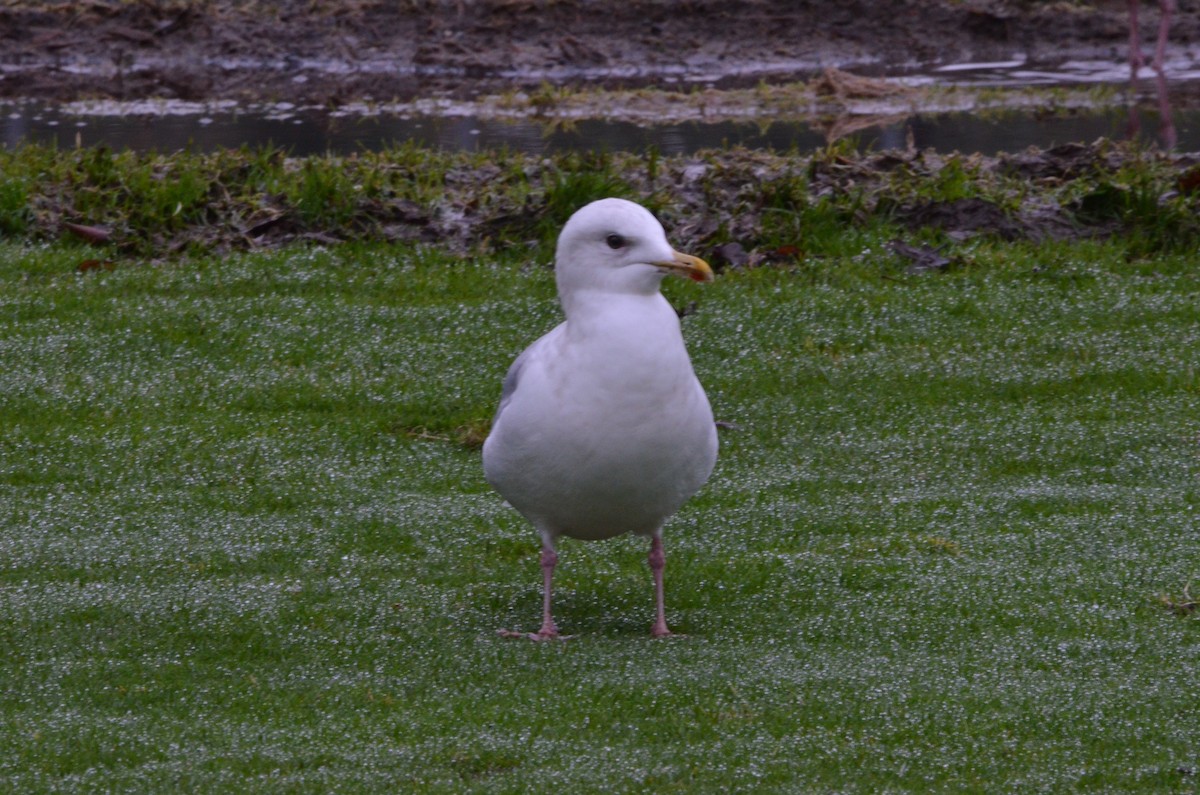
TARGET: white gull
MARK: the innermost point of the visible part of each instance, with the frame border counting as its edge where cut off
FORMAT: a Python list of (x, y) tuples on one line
[(603, 428)]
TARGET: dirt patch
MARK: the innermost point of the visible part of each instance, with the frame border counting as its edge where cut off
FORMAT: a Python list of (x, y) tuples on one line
[(332, 53)]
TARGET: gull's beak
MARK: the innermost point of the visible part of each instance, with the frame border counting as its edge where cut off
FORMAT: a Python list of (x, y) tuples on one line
[(694, 268)]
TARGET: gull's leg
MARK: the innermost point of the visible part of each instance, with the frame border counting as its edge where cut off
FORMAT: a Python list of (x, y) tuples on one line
[(549, 560), (1167, 134), (1167, 10), (658, 561), (1135, 46), (548, 630)]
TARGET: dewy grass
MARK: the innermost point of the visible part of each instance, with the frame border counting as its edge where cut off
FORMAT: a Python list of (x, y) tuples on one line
[(241, 550)]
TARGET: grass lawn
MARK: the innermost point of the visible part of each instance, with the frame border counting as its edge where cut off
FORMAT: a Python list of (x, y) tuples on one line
[(246, 543)]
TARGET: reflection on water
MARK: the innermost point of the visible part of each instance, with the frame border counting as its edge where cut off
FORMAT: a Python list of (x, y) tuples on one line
[(312, 132)]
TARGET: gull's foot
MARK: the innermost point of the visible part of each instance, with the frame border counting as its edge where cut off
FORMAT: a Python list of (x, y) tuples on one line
[(661, 631)]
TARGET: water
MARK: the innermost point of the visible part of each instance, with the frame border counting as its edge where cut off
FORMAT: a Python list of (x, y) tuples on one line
[(312, 132), (171, 125)]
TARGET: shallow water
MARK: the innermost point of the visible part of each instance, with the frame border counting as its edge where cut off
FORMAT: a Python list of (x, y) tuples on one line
[(307, 132), (174, 125)]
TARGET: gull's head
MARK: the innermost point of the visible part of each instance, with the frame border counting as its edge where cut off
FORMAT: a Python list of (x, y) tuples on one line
[(617, 246)]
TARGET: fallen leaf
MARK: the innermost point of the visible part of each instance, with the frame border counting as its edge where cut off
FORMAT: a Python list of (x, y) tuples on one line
[(1189, 181), (96, 265), (131, 34), (92, 234)]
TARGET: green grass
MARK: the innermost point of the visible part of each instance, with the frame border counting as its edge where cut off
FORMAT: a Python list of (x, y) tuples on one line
[(241, 550), (825, 203)]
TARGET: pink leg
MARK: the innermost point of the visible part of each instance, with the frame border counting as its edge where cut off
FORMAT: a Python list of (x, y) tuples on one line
[(1166, 123), (658, 561), (1167, 10), (549, 561), (1135, 45)]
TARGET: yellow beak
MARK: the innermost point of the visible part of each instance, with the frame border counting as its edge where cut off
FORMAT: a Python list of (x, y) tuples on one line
[(693, 268)]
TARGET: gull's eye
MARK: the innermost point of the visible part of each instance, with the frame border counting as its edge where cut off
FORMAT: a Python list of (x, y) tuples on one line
[(615, 241)]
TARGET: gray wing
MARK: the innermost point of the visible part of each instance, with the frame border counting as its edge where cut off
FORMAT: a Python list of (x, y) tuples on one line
[(511, 379)]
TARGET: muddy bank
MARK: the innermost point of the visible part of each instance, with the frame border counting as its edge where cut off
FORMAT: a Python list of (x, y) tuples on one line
[(736, 207), (335, 53)]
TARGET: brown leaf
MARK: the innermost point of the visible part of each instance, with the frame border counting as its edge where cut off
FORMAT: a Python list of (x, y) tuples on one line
[(95, 265), (131, 34), (1189, 181), (92, 234), (259, 227)]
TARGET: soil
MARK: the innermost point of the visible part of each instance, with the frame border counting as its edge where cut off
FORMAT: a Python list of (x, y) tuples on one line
[(307, 51)]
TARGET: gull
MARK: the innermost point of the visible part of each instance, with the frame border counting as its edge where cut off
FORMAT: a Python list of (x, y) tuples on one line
[(603, 428)]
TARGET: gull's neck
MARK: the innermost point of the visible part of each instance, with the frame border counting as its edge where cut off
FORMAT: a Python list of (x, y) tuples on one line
[(604, 317)]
